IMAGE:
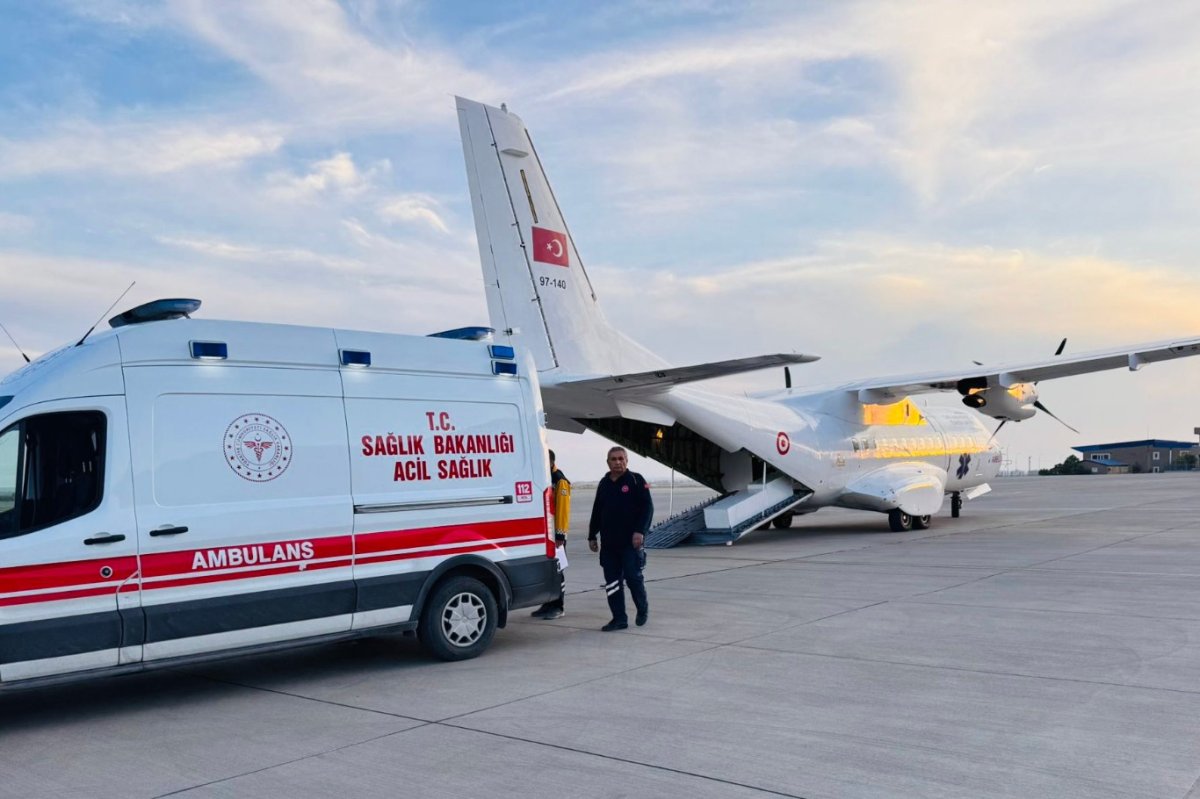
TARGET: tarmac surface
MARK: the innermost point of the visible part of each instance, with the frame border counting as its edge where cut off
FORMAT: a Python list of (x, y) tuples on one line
[(1046, 644)]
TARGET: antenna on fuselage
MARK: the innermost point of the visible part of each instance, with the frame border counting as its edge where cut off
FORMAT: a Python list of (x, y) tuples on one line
[(106, 310), (787, 377), (15, 344)]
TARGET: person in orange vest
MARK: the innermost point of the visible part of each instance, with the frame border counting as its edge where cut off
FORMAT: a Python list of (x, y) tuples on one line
[(562, 520)]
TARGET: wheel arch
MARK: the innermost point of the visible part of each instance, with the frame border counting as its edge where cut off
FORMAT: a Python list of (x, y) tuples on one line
[(481, 569)]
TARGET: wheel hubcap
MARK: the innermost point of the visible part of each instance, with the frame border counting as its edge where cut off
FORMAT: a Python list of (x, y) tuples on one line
[(464, 619)]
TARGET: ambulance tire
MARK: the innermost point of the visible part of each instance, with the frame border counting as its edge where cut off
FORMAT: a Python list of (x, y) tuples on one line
[(458, 620)]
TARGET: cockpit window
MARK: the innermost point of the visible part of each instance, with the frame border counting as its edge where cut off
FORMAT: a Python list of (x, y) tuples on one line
[(51, 470)]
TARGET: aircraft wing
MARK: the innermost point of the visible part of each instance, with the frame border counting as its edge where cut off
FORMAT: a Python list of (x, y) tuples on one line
[(1133, 357), (663, 378)]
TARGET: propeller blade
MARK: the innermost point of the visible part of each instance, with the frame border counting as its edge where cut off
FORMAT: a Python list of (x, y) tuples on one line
[(787, 377), (997, 430), (1038, 404)]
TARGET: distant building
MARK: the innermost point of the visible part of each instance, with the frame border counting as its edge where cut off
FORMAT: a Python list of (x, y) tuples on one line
[(1148, 455)]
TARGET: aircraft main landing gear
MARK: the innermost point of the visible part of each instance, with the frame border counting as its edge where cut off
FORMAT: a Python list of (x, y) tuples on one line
[(899, 521), (955, 504), (783, 521), (922, 522)]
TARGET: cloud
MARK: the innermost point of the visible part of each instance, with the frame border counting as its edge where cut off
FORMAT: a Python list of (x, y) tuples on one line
[(16, 223), (859, 297), (336, 174), (413, 209), (312, 53), (139, 148)]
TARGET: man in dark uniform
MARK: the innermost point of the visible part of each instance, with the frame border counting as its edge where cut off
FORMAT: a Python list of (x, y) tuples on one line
[(620, 517)]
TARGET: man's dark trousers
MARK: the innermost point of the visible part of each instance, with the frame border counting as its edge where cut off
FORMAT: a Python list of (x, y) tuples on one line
[(624, 566)]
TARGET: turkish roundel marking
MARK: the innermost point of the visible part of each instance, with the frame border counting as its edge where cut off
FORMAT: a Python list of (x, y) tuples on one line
[(257, 447), (783, 443)]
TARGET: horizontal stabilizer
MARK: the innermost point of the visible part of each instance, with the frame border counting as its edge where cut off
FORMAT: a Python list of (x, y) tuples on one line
[(663, 378)]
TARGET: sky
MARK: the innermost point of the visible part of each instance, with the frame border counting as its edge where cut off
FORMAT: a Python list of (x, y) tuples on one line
[(894, 186)]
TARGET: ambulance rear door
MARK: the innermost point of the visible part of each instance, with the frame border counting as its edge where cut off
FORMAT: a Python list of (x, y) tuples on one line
[(440, 467), (243, 511)]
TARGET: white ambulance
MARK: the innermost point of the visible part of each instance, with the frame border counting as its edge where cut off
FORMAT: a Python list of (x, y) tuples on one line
[(175, 487)]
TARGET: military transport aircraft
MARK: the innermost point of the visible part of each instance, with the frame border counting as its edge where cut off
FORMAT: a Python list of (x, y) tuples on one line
[(862, 445)]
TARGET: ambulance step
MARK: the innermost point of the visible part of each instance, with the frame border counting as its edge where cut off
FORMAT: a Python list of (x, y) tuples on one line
[(709, 536), (674, 530)]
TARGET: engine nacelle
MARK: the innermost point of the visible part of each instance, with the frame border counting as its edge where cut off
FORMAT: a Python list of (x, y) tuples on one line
[(1013, 404)]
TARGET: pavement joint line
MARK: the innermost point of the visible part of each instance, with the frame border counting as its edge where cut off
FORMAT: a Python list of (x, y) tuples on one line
[(290, 762), (581, 682), (741, 641), (1195, 619), (1102, 546), (1192, 790), (965, 670), (628, 761), (279, 692)]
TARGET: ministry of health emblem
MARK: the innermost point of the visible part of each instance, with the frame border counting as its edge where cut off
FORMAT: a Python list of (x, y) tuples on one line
[(257, 447)]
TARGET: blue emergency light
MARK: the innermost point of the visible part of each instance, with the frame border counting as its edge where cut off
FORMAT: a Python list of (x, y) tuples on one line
[(504, 368), (209, 350), (502, 351), (359, 358)]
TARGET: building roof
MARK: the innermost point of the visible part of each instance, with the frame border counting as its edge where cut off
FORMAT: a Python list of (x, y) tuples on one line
[(1157, 443)]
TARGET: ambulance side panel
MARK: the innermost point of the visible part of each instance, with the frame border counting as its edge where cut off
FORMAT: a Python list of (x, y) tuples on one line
[(437, 479), (244, 518), (68, 557)]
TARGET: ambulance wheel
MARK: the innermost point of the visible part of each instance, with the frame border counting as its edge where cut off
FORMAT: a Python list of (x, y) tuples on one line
[(784, 521), (458, 620), (899, 521), (921, 522)]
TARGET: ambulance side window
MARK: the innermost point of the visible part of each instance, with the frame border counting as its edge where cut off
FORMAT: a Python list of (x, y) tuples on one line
[(51, 470)]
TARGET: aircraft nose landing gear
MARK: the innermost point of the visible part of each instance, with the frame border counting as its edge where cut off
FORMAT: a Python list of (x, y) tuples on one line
[(955, 504)]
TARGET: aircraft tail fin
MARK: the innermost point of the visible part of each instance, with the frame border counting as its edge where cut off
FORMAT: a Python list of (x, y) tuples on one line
[(539, 295)]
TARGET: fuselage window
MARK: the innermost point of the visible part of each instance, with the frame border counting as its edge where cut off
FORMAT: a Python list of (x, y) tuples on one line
[(51, 470)]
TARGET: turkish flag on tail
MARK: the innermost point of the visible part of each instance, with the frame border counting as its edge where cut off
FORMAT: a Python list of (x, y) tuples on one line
[(550, 246)]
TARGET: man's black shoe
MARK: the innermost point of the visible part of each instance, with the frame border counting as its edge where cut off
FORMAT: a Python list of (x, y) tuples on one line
[(614, 625), (642, 615), (540, 612), (552, 614)]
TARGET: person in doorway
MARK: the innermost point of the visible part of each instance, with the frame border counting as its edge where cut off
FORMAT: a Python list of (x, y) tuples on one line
[(620, 517), (562, 520)]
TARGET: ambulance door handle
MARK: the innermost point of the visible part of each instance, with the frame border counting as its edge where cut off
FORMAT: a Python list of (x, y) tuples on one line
[(167, 531), (104, 538)]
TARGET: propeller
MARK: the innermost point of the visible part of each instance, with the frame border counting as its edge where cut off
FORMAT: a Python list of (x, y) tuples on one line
[(1038, 404), (1062, 345)]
